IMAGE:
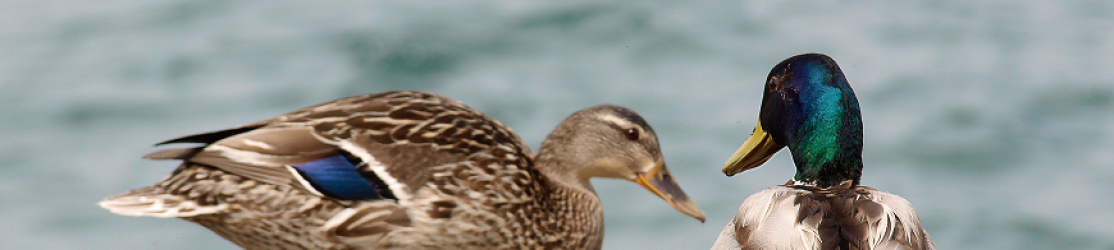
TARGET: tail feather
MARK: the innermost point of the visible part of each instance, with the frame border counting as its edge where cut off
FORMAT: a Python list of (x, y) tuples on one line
[(177, 196), (151, 202)]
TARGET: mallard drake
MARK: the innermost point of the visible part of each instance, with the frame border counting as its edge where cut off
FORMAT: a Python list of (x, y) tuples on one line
[(404, 170), (809, 107)]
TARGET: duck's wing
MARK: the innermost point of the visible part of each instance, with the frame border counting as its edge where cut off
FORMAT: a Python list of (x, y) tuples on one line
[(393, 137), (879, 220), (377, 148), (773, 219)]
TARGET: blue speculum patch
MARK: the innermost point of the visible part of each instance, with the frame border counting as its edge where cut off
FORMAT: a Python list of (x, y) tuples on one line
[(336, 177)]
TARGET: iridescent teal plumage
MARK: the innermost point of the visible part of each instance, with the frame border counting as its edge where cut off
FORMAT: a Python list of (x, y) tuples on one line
[(813, 111)]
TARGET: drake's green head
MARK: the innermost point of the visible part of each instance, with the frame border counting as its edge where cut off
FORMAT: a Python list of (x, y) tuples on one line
[(807, 106)]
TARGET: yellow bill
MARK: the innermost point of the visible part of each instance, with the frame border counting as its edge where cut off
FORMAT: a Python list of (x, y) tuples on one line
[(755, 151), (659, 181)]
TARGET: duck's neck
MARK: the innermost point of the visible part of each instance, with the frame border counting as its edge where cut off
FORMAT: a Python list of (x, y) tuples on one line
[(827, 147), (561, 170), (570, 197)]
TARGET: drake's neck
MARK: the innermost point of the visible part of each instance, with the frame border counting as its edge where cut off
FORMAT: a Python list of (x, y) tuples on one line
[(827, 149), (828, 172)]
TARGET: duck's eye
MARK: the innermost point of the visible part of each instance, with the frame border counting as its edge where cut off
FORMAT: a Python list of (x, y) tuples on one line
[(632, 134), (771, 83)]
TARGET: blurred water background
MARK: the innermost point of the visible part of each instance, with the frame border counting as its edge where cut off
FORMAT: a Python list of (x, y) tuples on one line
[(994, 118)]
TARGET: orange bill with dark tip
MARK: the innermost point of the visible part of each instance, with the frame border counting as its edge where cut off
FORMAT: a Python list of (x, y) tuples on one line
[(660, 181)]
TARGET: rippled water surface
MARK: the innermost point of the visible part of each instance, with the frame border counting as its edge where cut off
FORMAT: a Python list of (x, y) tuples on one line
[(994, 118)]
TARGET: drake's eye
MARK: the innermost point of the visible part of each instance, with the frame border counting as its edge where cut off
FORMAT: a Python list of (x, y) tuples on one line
[(632, 134), (772, 85)]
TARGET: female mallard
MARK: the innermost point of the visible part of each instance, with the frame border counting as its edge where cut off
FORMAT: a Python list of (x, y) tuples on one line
[(404, 170), (809, 107)]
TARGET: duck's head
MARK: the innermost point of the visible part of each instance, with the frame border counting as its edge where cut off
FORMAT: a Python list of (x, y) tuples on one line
[(612, 142), (809, 107)]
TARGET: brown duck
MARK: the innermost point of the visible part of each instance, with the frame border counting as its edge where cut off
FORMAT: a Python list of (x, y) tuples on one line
[(404, 170)]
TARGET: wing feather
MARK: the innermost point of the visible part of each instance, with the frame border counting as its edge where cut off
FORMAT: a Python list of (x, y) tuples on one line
[(174, 153), (365, 223), (799, 217), (211, 137), (890, 222), (770, 219)]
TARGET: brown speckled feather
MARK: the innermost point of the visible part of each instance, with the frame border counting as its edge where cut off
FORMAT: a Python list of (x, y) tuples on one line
[(462, 180)]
